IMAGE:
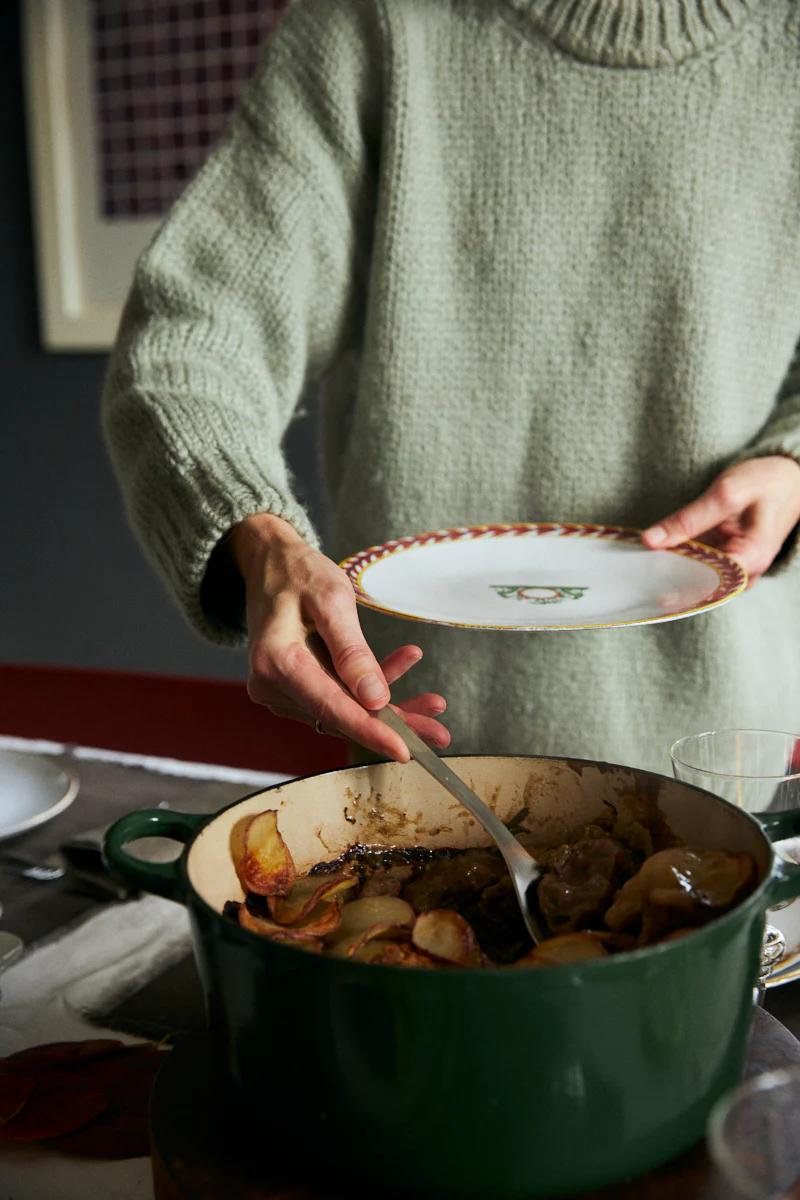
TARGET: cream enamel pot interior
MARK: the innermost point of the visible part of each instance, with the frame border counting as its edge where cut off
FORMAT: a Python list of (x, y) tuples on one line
[(482, 1085)]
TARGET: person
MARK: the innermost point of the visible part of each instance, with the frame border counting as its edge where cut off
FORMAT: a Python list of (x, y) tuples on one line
[(543, 258)]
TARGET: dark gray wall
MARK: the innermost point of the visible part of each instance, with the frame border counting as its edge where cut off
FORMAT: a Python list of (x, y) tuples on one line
[(75, 588)]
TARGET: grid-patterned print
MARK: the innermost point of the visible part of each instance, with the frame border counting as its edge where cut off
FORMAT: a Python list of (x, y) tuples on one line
[(166, 77)]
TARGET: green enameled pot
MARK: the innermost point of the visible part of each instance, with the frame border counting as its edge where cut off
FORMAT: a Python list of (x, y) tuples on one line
[(480, 1085)]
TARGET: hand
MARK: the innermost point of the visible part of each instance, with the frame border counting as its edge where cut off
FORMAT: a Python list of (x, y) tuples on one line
[(748, 512), (293, 591)]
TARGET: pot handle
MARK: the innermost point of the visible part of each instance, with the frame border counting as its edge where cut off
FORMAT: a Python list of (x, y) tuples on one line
[(161, 878), (785, 881)]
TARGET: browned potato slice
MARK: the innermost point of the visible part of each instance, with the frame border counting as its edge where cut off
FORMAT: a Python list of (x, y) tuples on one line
[(321, 921), (306, 894), (446, 935), (314, 945), (401, 954), (350, 945), (373, 950), (266, 866), (567, 948)]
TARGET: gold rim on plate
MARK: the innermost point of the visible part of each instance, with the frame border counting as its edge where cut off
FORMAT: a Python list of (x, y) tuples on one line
[(731, 577)]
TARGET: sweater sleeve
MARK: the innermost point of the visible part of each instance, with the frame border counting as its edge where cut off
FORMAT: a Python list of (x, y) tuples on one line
[(781, 435), (250, 291)]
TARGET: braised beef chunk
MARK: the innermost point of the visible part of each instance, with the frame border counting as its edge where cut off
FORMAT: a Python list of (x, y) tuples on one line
[(639, 823), (386, 881), (581, 881), (453, 882)]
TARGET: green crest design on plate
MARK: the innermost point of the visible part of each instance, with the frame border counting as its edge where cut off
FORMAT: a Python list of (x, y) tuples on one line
[(538, 593)]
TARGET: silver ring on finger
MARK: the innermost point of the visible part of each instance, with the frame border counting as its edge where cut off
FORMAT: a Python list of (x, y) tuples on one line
[(319, 728)]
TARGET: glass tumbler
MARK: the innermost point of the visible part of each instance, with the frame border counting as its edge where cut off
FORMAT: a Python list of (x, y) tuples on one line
[(753, 1137), (755, 769)]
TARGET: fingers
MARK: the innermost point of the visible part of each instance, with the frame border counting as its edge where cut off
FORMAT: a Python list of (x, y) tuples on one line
[(330, 677), (333, 610), (426, 704), (290, 680), (756, 543), (715, 505), (401, 660), (747, 512), (430, 730)]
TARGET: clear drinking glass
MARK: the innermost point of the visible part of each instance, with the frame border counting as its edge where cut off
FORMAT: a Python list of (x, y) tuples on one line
[(755, 769), (754, 1137)]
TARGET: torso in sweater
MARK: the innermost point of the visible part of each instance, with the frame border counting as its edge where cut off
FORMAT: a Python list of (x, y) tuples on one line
[(545, 255)]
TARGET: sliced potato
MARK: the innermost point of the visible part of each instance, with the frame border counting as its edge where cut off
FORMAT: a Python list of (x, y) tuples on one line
[(312, 944), (446, 935), (306, 894), (321, 921), (361, 914), (266, 866), (399, 954), (567, 948), (373, 950), (349, 945)]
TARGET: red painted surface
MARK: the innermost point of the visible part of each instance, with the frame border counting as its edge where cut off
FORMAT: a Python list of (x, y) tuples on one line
[(198, 720)]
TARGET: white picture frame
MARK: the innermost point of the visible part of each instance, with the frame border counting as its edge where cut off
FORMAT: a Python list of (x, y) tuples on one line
[(84, 261)]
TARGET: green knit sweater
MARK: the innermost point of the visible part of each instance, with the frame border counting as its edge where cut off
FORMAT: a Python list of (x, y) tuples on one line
[(544, 257)]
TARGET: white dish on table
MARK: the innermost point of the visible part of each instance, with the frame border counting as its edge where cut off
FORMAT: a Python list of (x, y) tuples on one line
[(33, 789)]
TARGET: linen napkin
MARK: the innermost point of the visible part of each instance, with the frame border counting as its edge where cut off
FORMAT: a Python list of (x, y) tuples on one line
[(62, 986)]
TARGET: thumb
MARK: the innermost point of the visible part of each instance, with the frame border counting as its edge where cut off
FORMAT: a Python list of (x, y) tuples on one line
[(706, 512)]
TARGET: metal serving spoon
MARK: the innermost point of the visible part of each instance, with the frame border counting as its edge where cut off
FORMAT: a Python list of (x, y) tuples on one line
[(524, 870)]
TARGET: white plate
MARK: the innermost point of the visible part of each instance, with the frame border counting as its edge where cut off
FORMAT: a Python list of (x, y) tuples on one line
[(33, 789), (539, 576), (787, 920)]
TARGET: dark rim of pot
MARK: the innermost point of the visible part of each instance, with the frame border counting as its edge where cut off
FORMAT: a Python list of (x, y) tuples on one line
[(704, 932)]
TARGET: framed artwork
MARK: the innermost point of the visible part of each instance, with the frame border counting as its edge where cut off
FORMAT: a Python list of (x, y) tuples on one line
[(125, 99)]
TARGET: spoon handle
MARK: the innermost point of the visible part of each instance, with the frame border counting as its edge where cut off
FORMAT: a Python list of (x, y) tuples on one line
[(437, 767), (524, 869)]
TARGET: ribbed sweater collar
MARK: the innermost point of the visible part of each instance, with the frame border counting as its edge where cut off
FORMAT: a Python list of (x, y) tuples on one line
[(636, 33)]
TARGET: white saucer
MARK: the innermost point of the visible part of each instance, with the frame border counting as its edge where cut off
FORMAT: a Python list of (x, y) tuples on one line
[(33, 789), (541, 576)]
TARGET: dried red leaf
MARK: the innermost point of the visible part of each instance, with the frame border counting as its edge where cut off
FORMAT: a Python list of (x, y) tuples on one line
[(111, 1135), (95, 1106), (14, 1091), (117, 1072), (57, 1103), (122, 1130), (59, 1055)]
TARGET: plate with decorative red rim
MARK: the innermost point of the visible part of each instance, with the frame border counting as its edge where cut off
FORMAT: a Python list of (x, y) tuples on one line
[(540, 575)]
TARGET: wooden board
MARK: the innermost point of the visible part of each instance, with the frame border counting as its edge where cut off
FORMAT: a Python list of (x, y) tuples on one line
[(197, 1154)]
